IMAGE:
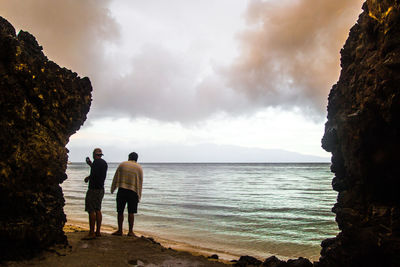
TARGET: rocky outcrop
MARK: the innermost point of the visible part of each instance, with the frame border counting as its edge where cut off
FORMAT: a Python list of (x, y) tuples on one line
[(363, 134), (42, 105)]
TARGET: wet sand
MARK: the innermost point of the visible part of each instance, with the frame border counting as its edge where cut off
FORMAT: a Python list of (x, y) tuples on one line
[(225, 256)]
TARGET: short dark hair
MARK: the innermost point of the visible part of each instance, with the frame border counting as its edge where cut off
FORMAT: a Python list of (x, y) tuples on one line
[(133, 156)]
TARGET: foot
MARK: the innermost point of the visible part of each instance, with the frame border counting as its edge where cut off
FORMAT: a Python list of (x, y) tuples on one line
[(98, 234), (90, 236), (131, 234), (119, 233)]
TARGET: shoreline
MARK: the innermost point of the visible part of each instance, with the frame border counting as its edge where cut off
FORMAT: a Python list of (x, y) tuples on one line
[(138, 251), (224, 257)]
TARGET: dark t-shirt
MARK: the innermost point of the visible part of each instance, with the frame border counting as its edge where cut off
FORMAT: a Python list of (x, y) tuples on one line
[(98, 173)]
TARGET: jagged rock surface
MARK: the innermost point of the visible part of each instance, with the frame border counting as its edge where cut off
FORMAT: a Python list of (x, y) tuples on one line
[(363, 134), (42, 105)]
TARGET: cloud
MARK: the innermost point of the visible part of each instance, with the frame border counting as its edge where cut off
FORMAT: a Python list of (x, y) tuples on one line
[(160, 84), (289, 58), (290, 52), (167, 86), (164, 66), (150, 80), (73, 33)]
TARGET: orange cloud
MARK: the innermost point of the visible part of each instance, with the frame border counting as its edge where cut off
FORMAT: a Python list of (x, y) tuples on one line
[(72, 33), (290, 52)]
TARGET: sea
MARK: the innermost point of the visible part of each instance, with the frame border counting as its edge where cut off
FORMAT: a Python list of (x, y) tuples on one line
[(229, 209)]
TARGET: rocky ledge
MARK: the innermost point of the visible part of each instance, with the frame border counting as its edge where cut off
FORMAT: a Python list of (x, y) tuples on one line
[(363, 133), (42, 105)]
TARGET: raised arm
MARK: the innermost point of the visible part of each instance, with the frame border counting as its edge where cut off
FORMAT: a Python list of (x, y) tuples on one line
[(88, 161)]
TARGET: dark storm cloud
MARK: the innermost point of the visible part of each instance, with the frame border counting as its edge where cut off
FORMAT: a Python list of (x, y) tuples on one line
[(290, 53)]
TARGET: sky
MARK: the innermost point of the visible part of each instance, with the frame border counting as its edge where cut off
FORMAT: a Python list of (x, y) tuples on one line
[(195, 76)]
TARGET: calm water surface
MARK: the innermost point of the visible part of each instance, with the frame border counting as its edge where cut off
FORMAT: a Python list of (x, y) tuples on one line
[(245, 209)]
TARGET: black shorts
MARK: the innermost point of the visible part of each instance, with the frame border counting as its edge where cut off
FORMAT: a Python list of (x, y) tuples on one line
[(127, 196), (93, 199)]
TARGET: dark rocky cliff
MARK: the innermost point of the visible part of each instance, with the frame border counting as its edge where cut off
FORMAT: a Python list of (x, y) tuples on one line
[(42, 105), (363, 134)]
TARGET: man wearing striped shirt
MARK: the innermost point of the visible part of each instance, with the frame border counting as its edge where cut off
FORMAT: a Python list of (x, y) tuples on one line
[(128, 179)]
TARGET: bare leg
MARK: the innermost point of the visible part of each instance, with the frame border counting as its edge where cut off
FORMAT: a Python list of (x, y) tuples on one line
[(120, 223), (99, 218), (131, 221), (92, 220)]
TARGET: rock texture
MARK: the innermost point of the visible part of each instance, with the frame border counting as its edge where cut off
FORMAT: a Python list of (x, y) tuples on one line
[(42, 105), (363, 134), (275, 262)]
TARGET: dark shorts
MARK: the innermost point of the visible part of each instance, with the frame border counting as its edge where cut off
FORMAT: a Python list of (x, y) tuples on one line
[(93, 199), (127, 196)]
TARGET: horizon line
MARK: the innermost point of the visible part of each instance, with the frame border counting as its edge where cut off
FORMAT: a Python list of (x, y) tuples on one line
[(216, 162)]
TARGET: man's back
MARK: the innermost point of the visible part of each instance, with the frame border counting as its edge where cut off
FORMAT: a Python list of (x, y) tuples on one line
[(129, 175)]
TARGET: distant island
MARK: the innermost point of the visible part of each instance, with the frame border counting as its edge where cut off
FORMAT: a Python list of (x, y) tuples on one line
[(210, 153)]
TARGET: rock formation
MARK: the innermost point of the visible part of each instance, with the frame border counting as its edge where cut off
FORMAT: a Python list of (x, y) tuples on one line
[(363, 134), (42, 105)]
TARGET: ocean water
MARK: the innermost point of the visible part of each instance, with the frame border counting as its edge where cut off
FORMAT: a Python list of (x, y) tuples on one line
[(240, 209)]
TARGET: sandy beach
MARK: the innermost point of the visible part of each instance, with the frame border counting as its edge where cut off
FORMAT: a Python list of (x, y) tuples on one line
[(109, 250)]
